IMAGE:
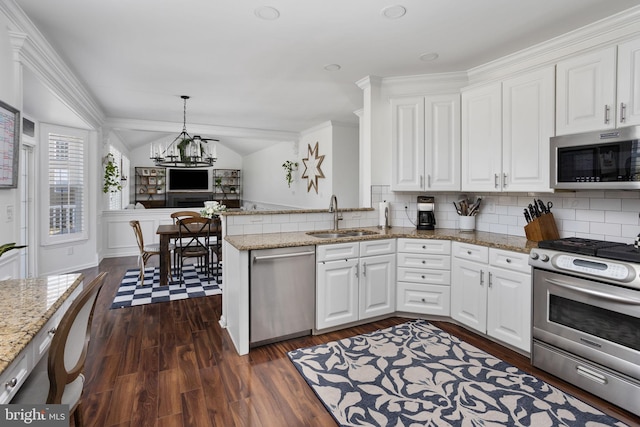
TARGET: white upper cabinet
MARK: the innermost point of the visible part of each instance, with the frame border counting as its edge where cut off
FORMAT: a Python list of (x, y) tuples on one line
[(586, 91), (527, 124), (506, 128), (426, 143), (482, 138), (407, 142), (599, 90), (629, 84)]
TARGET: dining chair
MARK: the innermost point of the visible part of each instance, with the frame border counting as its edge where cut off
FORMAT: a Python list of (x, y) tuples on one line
[(194, 242), (58, 377), (177, 216), (146, 250)]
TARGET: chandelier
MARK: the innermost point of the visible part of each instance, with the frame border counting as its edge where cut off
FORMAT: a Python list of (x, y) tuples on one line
[(184, 151)]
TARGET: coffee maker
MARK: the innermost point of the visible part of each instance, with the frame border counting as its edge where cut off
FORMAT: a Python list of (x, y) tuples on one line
[(426, 214)]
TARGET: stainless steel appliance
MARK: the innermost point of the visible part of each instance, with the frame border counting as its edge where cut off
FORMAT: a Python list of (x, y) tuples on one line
[(426, 214), (596, 160), (282, 294), (586, 316)]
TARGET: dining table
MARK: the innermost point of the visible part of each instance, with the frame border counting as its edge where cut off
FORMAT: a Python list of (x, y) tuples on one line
[(168, 232)]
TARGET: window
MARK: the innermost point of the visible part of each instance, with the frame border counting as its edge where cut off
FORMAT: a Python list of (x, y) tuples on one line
[(66, 183)]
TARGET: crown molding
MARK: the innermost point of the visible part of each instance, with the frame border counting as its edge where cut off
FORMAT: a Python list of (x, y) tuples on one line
[(605, 32), (36, 54)]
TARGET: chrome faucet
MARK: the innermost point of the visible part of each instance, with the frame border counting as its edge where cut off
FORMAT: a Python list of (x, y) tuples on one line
[(333, 207)]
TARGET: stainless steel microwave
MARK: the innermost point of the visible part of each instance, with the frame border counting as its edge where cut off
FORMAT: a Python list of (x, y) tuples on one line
[(597, 160)]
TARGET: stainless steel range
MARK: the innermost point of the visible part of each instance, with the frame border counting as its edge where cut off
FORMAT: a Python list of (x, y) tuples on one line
[(586, 316)]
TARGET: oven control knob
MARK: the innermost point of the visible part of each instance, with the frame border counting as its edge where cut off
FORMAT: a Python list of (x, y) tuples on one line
[(544, 257), (534, 256)]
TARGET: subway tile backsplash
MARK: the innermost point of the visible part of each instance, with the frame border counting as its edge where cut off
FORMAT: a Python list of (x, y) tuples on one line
[(603, 215)]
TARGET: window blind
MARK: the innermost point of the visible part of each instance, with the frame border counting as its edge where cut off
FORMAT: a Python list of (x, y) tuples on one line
[(66, 185)]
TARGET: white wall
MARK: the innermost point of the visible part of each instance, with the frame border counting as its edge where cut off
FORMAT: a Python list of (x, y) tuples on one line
[(264, 177)]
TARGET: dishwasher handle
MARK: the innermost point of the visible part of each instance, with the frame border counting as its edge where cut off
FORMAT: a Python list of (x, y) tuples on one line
[(291, 255)]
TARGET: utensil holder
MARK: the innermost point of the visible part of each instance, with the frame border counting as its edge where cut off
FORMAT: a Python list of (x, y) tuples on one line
[(542, 228), (466, 223)]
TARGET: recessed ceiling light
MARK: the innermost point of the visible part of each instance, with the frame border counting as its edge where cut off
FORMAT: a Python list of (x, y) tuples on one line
[(332, 67), (428, 57), (267, 13), (394, 12)]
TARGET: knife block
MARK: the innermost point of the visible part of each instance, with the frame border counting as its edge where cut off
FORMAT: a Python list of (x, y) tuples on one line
[(542, 228)]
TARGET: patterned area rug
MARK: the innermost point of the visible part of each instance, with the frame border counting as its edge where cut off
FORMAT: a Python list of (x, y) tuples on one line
[(416, 374), (195, 284)]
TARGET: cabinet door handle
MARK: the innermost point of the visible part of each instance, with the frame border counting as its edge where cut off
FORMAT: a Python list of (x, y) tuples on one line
[(623, 112), (481, 277), (504, 179), (364, 268), (495, 180), (429, 181), (607, 110), (490, 279), (421, 181), (357, 270)]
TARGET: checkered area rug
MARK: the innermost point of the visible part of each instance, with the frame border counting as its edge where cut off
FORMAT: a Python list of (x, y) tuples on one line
[(195, 284)]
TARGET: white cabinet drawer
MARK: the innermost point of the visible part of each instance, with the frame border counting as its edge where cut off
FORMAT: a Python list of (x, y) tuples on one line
[(337, 251), (515, 261), (13, 377), (426, 246), (439, 262), (425, 276), (470, 252), (424, 299), (378, 247), (42, 340)]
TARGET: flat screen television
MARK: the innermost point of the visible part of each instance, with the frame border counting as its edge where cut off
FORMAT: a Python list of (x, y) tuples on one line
[(192, 179)]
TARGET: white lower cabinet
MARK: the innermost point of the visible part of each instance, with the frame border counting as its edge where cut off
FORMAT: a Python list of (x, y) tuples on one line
[(354, 281), (491, 293), (424, 276)]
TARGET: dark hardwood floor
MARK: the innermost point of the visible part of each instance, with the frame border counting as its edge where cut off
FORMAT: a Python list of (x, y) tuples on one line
[(171, 364)]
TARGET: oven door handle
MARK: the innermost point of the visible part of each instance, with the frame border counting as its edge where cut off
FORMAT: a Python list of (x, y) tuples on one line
[(623, 300)]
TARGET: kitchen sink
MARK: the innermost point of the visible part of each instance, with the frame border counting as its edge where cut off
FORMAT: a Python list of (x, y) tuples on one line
[(340, 233)]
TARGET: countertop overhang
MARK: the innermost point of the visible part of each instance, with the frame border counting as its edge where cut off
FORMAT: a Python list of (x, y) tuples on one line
[(27, 305), (301, 238)]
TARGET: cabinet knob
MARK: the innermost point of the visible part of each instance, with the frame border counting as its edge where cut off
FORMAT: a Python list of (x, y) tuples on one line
[(53, 330), (468, 252), (424, 247), (424, 262), (11, 383), (422, 276), (423, 300), (508, 260)]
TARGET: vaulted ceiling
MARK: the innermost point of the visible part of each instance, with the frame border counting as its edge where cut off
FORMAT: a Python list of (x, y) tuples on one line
[(259, 71)]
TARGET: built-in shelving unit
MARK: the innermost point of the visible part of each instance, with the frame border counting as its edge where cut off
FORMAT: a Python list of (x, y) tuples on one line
[(150, 187), (227, 187)]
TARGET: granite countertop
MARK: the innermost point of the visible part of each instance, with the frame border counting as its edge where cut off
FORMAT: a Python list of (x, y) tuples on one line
[(301, 238), (26, 306)]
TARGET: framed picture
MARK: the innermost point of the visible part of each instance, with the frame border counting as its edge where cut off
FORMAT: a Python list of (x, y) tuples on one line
[(152, 180), (145, 172), (9, 145), (154, 172)]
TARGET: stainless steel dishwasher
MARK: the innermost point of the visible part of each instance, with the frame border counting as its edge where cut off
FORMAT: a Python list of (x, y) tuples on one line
[(281, 294)]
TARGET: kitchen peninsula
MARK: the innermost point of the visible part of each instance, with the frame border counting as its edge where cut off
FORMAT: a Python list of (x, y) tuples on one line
[(236, 253)]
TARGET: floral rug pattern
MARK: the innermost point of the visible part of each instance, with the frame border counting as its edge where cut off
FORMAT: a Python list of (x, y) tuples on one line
[(415, 374)]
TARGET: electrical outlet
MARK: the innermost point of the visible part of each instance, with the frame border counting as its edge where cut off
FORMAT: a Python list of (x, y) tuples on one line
[(9, 212), (488, 206)]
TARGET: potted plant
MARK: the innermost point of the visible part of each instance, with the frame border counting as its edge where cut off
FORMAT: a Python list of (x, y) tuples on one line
[(289, 167), (9, 246), (111, 175)]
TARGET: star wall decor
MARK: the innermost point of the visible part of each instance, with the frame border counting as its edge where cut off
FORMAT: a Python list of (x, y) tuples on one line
[(312, 169)]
